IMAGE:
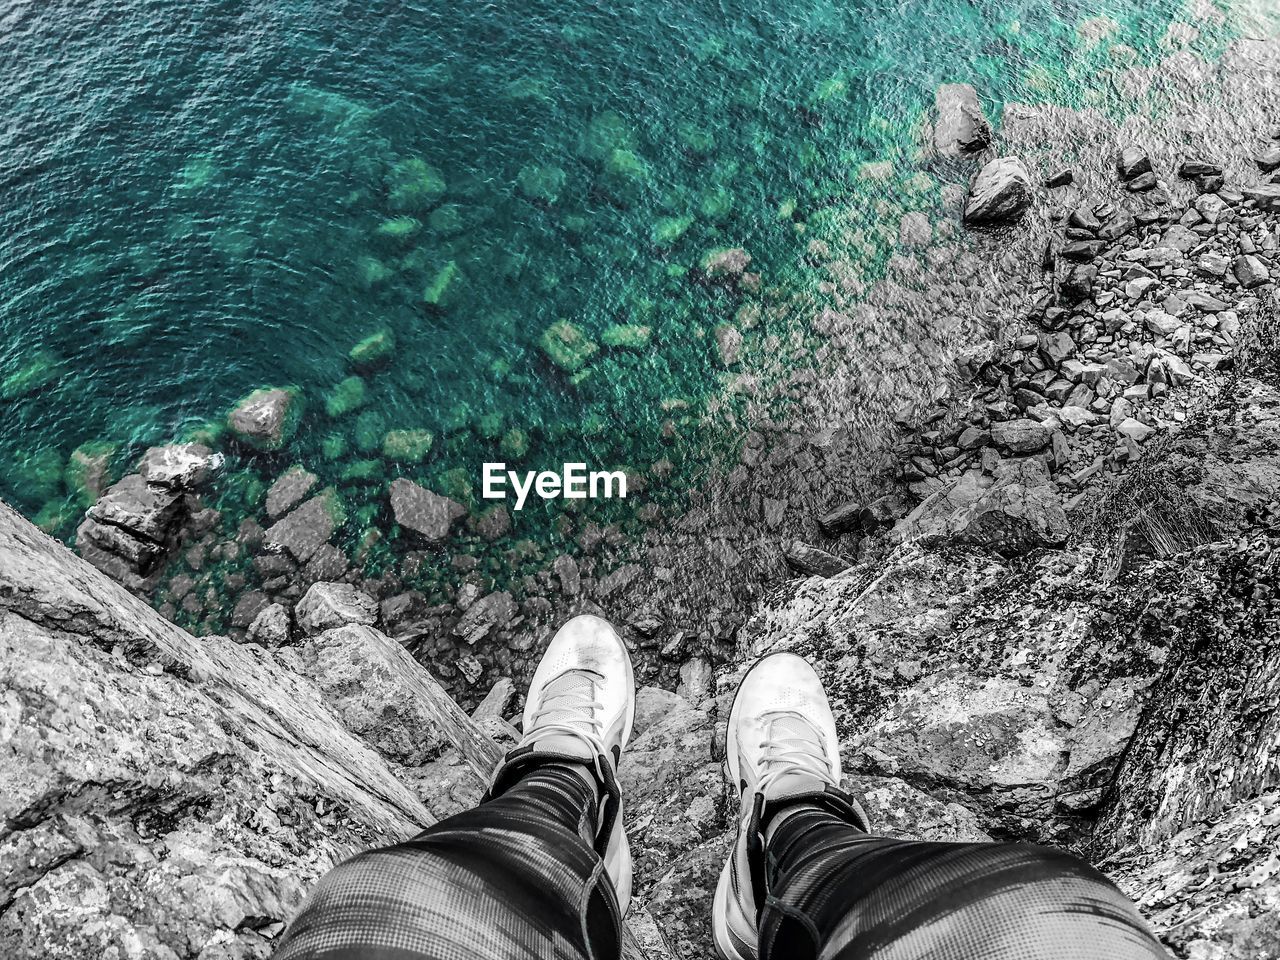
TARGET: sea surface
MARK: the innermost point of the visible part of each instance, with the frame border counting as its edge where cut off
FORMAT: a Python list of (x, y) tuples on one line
[(197, 200)]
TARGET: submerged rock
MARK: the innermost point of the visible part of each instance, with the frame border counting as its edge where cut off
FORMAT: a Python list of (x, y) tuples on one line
[(88, 471), (302, 532), (287, 492), (728, 263), (426, 514), (375, 350), (567, 346), (267, 418), (413, 184), (407, 446), (444, 287), (1000, 192)]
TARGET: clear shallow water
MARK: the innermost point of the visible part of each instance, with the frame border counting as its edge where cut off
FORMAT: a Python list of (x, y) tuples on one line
[(196, 201)]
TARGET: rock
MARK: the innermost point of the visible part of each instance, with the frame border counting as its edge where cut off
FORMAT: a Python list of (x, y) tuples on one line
[(1142, 182), (408, 445), (374, 351), (1251, 272), (811, 561), (1083, 218), (1063, 178), (1192, 169), (1016, 511), (567, 346), (491, 612), (696, 680), (88, 472), (653, 704), (273, 627), (972, 438), (428, 515), (348, 396), (1077, 285), (288, 490), (303, 531), (248, 607), (1264, 197), (1116, 226), (147, 511), (1000, 192), (855, 517), (626, 336), (1135, 430), (727, 263), (1132, 162), (328, 605), (566, 571), (493, 524), (207, 746), (1056, 347), (914, 229), (181, 466), (961, 126), (498, 699), (618, 580), (388, 699), (729, 344), (1160, 323), (267, 418), (1013, 519), (327, 563), (1268, 158), (1020, 436)]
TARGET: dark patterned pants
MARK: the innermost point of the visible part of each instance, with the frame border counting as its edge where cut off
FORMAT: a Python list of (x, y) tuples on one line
[(516, 878)]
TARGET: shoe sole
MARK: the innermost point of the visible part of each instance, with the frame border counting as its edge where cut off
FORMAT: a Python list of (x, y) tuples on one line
[(726, 949), (721, 937), (625, 863)]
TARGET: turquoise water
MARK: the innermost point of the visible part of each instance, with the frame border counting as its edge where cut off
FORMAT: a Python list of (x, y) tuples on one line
[(203, 199)]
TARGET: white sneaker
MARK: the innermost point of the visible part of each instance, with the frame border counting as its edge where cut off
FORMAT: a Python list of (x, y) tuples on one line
[(580, 708), (782, 746)]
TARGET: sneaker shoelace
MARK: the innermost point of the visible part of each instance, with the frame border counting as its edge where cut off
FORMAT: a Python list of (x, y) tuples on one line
[(790, 751), (571, 708)]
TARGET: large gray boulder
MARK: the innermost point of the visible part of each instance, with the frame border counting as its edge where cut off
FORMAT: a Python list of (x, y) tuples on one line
[(999, 193), (428, 515)]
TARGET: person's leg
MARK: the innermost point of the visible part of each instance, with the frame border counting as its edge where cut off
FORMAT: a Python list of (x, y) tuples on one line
[(516, 877), (540, 869), (807, 880), (836, 893)]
